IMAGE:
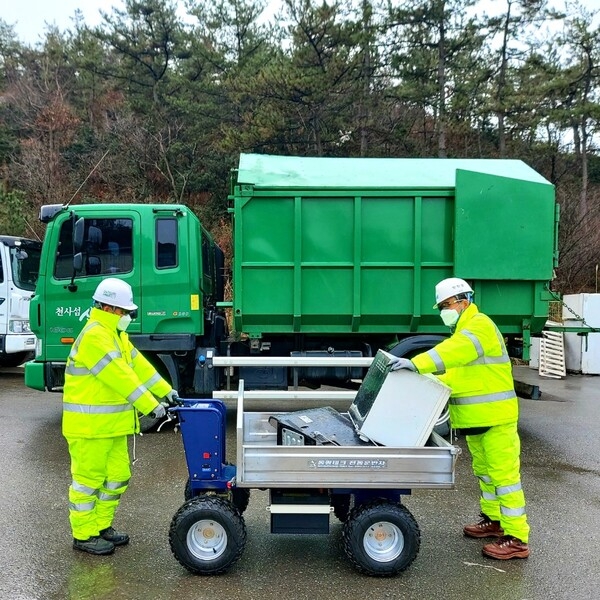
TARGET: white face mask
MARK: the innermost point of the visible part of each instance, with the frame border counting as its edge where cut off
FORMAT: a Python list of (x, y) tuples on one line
[(449, 316), (123, 322)]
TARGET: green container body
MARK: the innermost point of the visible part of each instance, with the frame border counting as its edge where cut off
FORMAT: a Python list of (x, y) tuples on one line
[(356, 246)]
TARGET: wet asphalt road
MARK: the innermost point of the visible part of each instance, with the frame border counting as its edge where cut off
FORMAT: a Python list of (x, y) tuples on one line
[(560, 471)]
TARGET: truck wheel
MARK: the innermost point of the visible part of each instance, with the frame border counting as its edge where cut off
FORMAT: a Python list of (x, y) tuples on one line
[(381, 538), (410, 347), (442, 426), (240, 497), (207, 535), (341, 506), (14, 360), (148, 423)]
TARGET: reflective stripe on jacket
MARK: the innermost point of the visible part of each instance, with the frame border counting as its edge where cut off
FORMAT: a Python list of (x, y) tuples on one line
[(475, 365), (105, 378)]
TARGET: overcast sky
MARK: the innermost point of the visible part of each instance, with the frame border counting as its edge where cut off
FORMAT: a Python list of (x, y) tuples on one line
[(30, 16)]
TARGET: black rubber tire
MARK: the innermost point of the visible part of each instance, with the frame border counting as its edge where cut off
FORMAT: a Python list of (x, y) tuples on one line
[(148, 423), (422, 345), (444, 428), (207, 535), (341, 506), (381, 538), (9, 361), (239, 497)]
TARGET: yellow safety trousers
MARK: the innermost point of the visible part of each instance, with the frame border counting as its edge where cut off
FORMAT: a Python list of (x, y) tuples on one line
[(496, 464), (100, 474)]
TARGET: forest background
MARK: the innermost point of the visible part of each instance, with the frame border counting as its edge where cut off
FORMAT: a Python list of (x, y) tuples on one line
[(155, 106)]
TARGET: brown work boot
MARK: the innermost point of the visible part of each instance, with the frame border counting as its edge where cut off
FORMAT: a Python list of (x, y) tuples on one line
[(505, 548), (484, 528)]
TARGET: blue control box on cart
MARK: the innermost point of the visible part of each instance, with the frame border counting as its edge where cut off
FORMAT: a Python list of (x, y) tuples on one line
[(203, 425)]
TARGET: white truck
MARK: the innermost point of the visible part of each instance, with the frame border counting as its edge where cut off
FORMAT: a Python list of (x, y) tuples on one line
[(19, 267)]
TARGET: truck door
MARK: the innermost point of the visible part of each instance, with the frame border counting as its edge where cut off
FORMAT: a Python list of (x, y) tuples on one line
[(3, 294), (111, 248), (171, 303)]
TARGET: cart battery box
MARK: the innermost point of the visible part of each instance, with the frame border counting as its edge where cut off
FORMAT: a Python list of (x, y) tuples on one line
[(203, 424), (299, 511), (315, 427)]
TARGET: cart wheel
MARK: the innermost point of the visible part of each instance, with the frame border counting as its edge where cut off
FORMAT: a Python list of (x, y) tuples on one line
[(240, 497), (207, 535), (341, 506), (381, 538)]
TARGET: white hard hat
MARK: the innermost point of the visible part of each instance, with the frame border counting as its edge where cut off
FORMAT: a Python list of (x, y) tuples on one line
[(452, 286), (115, 292)]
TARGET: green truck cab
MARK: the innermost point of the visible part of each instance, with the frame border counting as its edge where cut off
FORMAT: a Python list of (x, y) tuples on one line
[(332, 257), (171, 262)]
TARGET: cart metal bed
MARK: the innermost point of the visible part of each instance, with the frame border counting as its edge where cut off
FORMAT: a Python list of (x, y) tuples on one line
[(362, 485)]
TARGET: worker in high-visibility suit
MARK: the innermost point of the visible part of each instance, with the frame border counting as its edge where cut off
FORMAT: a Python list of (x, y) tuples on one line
[(474, 363), (107, 381)]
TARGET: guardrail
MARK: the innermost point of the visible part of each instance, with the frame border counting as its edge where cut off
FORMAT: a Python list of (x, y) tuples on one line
[(293, 362)]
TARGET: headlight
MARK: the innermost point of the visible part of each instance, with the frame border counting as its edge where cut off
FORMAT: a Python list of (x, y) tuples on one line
[(19, 327)]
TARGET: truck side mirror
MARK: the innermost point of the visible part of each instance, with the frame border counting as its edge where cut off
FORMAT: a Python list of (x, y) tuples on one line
[(77, 266), (78, 262), (78, 233)]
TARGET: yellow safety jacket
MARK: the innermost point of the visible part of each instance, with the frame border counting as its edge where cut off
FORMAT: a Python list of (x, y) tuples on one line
[(475, 365), (106, 380)]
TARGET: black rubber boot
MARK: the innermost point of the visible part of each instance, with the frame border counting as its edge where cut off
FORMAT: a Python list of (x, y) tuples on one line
[(118, 538), (94, 545)]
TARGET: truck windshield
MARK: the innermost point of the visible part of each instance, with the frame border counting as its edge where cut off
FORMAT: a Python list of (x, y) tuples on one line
[(25, 264)]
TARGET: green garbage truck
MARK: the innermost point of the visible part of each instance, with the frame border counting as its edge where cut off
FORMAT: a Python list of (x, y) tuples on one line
[(332, 257)]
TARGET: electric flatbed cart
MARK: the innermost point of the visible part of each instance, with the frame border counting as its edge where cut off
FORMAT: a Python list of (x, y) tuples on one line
[(307, 476)]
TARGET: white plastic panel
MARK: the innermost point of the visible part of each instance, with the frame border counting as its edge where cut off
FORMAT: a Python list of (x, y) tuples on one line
[(405, 409), (582, 354)]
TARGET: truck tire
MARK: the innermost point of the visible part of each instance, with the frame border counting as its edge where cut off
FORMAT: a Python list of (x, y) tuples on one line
[(341, 506), (148, 423), (381, 538), (412, 346), (240, 497), (442, 426), (9, 361), (166, 367), (207, 535)]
